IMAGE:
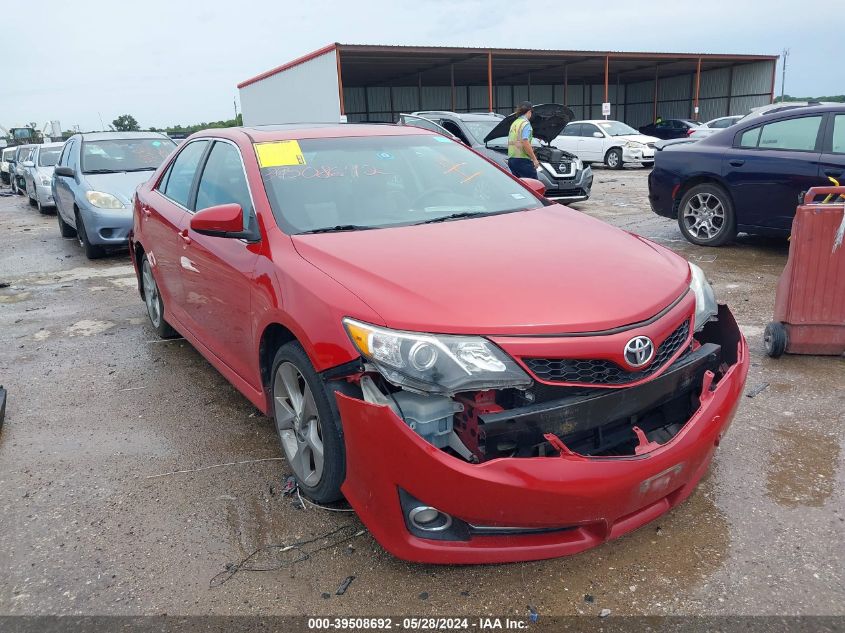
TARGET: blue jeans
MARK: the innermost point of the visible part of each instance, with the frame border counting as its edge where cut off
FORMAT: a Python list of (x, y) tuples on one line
[(522, 167)]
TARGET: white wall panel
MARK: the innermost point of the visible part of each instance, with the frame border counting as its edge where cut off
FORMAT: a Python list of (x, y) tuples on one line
[(307, 92)]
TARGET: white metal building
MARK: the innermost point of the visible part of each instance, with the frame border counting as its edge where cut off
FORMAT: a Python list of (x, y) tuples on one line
[(377, 83)]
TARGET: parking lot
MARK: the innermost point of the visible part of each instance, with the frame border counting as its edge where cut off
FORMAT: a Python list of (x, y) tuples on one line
[(101, 415)]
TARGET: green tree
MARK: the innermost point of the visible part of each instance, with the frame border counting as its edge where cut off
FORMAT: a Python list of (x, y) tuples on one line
[(126, 123)]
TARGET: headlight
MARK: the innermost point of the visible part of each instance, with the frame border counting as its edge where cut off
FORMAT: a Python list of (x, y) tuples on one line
[(435, 363), (578, 164), (103, 200), (705, 298), (634, 145)]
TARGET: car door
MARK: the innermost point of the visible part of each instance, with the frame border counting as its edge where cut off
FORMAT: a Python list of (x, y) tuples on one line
[(29, 171), (568, 139), (217, 271), (164, 215), (832, 161), (769, 166), (62, 191), (590, 145)]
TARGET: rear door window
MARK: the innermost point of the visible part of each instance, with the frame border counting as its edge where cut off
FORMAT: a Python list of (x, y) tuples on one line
[(573, 129), (750, 137), (588, 129), (177, 185), (223, 180), (793, 134), (838, 134)]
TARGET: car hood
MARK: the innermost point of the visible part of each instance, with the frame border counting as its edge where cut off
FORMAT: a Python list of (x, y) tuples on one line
[(122, 184), (545, 271), (638, 138), (547, 122)]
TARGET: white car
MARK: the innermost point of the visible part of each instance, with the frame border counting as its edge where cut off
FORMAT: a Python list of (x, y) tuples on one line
[(610, 142), (4, 164), (714, 125)]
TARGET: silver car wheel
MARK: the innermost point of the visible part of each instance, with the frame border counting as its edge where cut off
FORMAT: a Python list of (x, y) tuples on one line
[(151, 294), (298, 424), (613, 160), (704, 216)]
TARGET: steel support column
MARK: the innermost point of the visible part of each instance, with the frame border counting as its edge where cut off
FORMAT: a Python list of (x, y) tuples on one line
[(452, 84), (696, 109), (339, 82), (656, 86), (490, 79)]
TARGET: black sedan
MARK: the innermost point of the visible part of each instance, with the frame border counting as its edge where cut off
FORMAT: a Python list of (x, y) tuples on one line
[(749, 177), (670, 128)]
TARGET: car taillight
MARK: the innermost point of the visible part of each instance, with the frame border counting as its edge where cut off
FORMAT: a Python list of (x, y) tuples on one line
[(690, 131)]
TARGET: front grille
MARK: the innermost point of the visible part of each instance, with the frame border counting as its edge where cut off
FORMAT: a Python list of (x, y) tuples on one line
[(605, 372)]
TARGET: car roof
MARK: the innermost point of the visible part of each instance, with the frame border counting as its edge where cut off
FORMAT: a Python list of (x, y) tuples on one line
[(110, 136), (463, 116), (289, 131), (52, 144)]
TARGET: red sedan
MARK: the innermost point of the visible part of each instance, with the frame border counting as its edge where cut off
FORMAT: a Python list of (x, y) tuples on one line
[(486, 376)]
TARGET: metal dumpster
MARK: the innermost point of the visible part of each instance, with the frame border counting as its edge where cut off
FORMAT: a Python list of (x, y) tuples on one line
[(809, 313)]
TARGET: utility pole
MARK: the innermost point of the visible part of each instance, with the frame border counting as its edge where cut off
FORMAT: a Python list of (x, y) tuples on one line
[(783, 79)]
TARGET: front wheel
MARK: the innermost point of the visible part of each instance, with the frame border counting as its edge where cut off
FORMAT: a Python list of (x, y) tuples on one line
[(92, 251), (65, 229), (614, 159), (308, 424), (706, 216)]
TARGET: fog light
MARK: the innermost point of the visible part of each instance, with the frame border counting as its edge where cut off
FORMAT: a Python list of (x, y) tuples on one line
[(429, 519)]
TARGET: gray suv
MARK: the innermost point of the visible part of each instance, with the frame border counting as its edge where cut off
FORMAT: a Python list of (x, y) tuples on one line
[(95, 180), (566, 178)]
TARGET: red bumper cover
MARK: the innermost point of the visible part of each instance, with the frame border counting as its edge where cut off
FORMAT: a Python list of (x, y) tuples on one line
[(596, 498)]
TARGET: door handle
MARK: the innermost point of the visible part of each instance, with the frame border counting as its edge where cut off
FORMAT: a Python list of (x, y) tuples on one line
[(146, 211), (736, 162), (184, 235)]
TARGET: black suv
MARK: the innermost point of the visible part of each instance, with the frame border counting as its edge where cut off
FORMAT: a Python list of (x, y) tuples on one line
[(566, 178)]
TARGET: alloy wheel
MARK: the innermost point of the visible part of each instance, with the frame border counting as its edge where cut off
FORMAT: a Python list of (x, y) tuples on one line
[(613, 160), (298, 424), (704, 216), (151, 294)]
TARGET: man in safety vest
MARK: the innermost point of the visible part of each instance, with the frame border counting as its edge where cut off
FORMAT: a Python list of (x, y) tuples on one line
[(522, 161)]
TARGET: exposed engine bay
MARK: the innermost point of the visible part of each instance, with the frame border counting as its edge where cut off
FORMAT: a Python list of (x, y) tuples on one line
[(544, 420)]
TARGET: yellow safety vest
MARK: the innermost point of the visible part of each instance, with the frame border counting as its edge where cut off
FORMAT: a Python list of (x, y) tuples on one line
[(515, 134)]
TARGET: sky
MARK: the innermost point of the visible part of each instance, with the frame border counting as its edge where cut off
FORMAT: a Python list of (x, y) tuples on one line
[(179, 61)]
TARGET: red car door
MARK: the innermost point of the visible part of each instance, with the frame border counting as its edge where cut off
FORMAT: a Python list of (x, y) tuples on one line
[(217, 271), (163, 214)]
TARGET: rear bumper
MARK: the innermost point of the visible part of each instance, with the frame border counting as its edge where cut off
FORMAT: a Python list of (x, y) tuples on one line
[(580, 501)]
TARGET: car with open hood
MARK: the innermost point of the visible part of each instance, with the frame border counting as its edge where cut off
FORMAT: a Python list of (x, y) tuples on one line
[(484, 374), (604, 141), (564, 176), (94, 184), (38, 175)]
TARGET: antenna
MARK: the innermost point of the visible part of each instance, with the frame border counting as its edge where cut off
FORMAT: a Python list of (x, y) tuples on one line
[(783, 79)]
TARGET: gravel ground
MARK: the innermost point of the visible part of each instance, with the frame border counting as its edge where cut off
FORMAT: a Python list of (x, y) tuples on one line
[(97, 406)]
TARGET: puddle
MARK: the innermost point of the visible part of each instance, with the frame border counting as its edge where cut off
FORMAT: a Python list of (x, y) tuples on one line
[(82, 274), (802, 469), (17, 298), (88, 327), (41, 335)]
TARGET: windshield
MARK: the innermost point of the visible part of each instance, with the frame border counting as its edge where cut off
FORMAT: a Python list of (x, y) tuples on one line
[(135, 154), (480, 129), (49, 157), (380, 181), (616, 128)]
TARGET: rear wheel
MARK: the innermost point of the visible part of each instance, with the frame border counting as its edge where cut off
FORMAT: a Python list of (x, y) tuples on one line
[(775, 339), (308, 424), (706, 216), (153, 301), (92, 251), (32, 201), (613, 159)]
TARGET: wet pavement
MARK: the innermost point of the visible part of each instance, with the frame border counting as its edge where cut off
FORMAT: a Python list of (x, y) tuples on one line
[(97, 407)]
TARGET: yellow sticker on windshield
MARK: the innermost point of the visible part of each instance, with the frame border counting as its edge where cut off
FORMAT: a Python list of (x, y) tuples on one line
[(279, 154)]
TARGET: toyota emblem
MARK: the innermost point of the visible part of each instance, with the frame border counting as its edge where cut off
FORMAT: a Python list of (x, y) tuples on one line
[(639, 351)]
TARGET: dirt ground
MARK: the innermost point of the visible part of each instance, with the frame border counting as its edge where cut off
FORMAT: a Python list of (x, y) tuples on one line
[(97, 406)]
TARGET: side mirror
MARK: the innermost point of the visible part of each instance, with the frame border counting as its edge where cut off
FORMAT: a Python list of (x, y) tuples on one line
[(222, 220), (64, 171), (598, 135), (28, 163), (534, 185)]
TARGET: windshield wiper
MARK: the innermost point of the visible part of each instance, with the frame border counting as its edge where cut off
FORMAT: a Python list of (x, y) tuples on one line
[(337, 228), (141, 169), (454, 216), (103, 171)]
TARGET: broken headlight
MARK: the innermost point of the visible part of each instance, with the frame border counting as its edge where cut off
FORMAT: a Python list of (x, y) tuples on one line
[(435, 363), (705, 298)]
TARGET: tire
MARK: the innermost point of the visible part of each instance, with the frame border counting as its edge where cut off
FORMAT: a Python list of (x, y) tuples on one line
[(92, 251), (706, 216), (13, 184), (776, 339), (321, 430), (32, 203), (613, 159), (65, 229), (154, 303), (41, 208)]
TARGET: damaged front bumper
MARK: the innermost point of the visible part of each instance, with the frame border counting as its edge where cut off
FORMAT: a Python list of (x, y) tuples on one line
[(527, 508)]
